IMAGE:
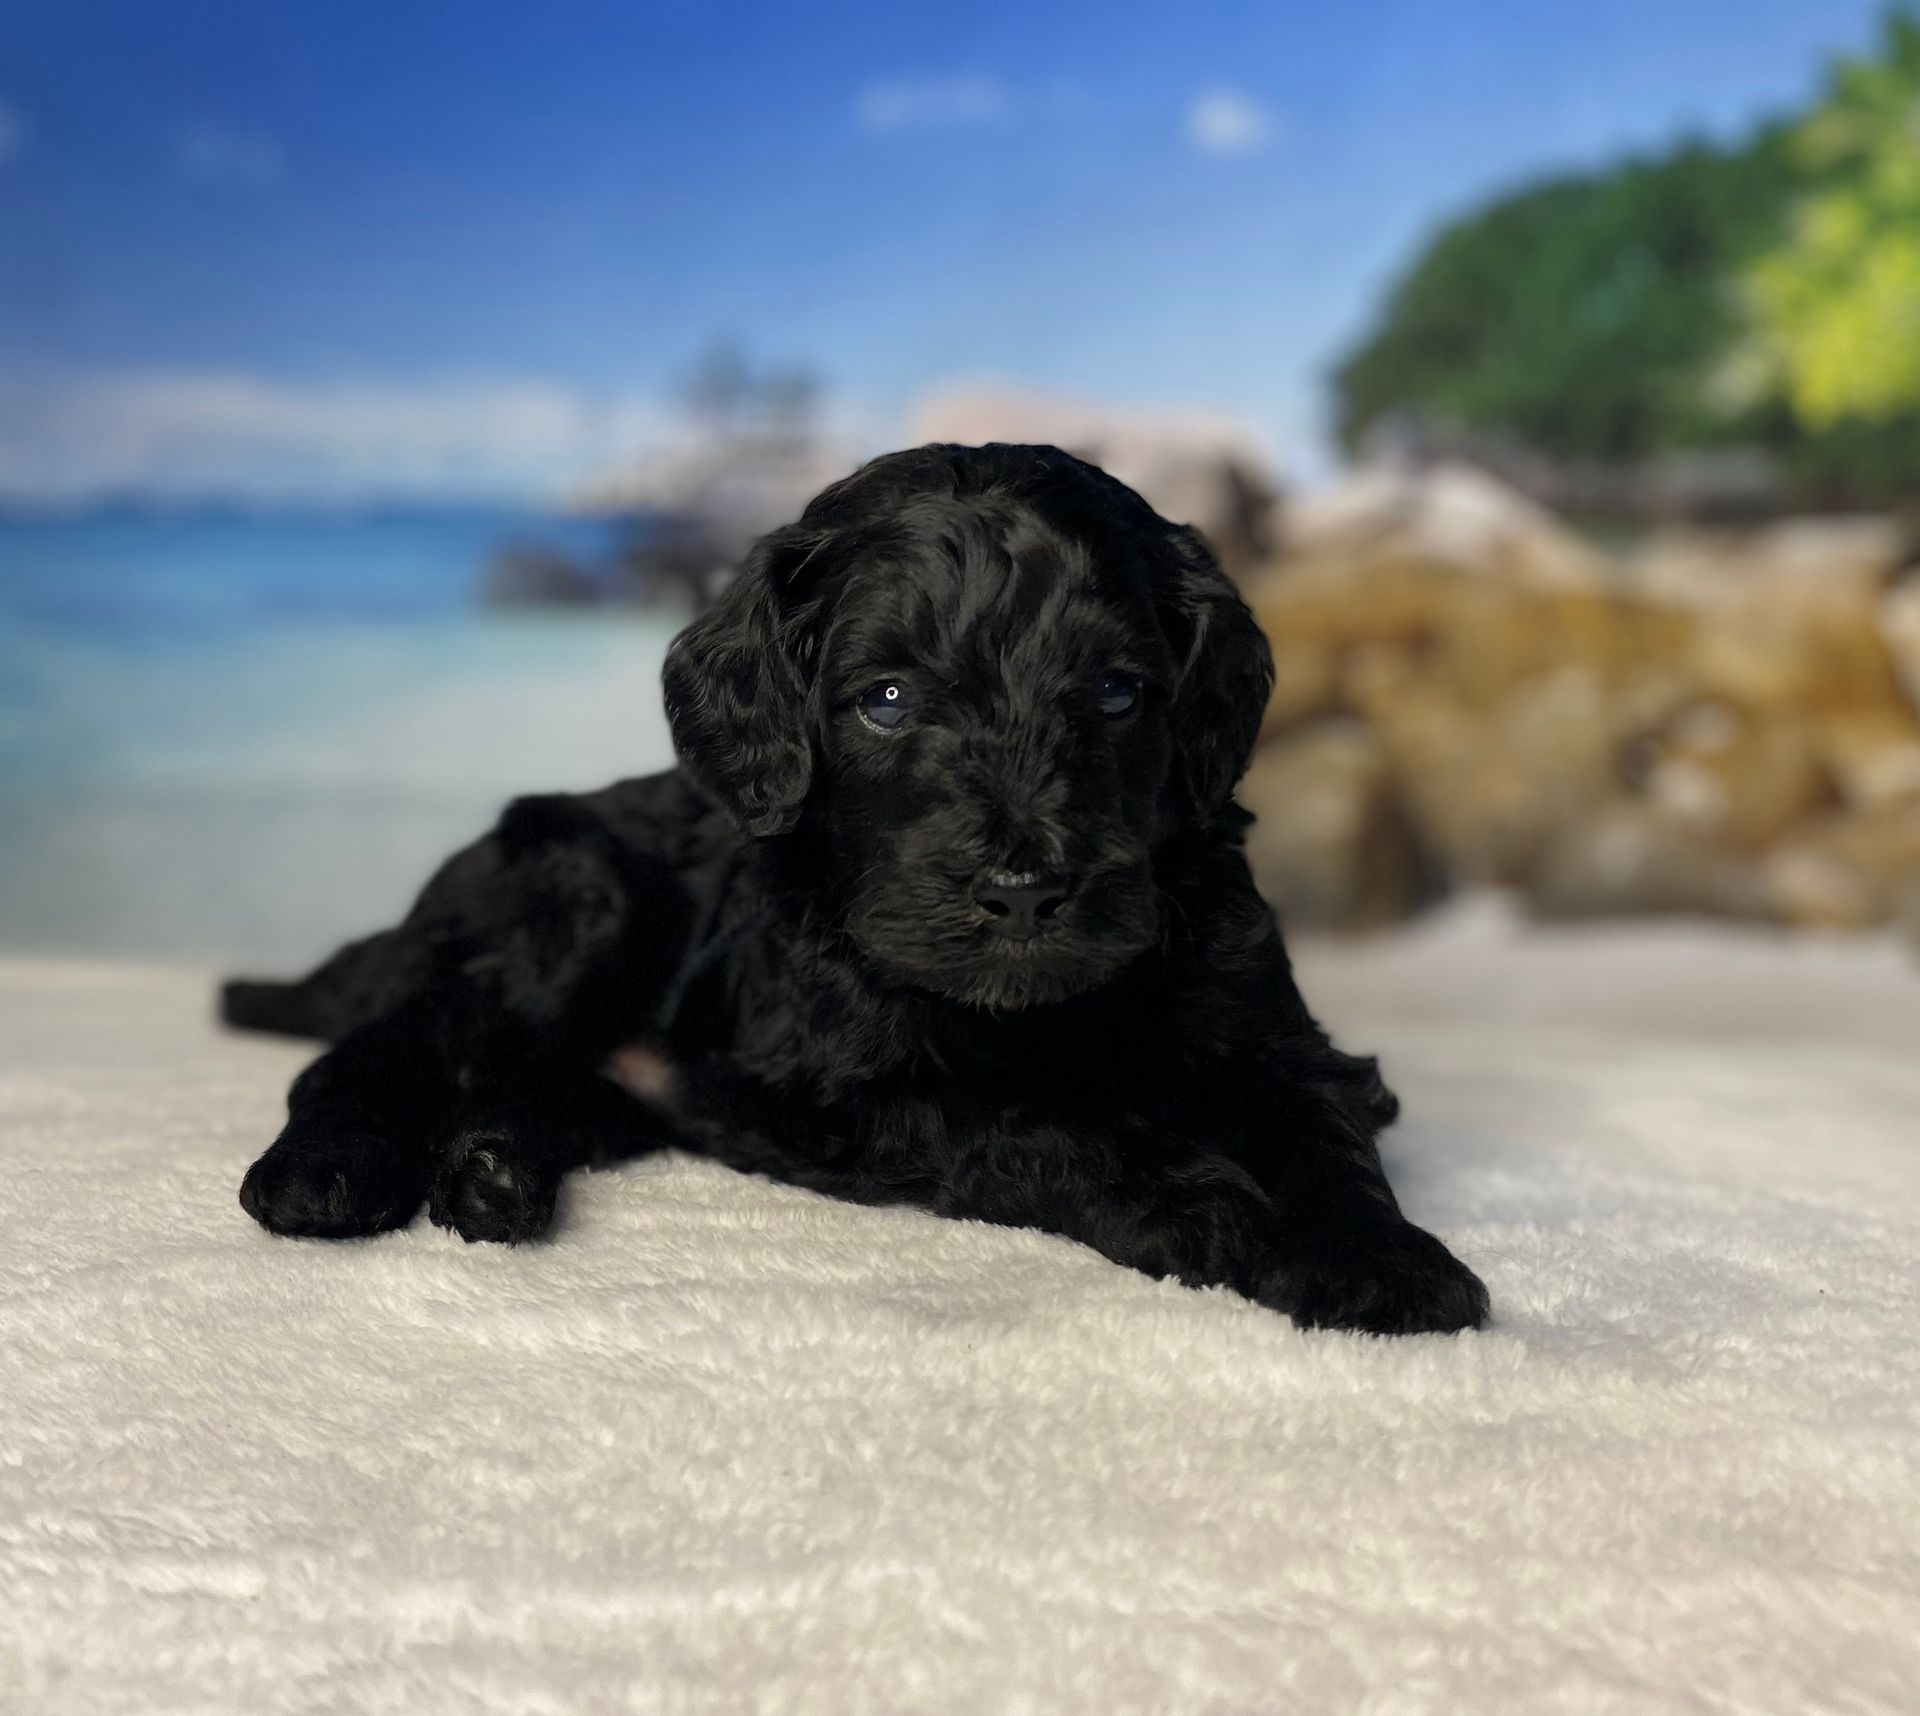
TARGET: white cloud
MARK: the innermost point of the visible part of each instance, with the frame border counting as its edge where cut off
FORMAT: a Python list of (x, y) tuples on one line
[(931, 104), (14, 131), (210, 154), (1227, 122), (68, 437)]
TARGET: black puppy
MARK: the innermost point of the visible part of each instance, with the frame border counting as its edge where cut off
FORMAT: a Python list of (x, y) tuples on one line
[(946, 906)]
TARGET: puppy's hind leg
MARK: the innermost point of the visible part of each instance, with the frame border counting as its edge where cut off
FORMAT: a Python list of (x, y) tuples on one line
[(364, 1126)]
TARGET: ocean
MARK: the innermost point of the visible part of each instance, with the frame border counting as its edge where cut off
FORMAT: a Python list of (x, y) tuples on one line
[(231, 736)]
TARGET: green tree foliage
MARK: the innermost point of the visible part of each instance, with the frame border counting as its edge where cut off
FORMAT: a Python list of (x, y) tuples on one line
[(1766, 293), (1837, 301), (1584, 316)]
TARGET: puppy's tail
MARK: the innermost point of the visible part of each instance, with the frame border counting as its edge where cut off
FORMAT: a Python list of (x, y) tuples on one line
[(281, 1009), (359, 983)]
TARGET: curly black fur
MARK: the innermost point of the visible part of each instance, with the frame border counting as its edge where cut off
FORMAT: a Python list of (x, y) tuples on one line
[(807, 923)]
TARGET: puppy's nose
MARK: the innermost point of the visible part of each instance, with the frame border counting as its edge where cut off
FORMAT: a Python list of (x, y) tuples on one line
[(1020, 904)]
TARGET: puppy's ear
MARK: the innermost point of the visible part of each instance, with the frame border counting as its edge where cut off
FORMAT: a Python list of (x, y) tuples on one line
[(737, 681), (1225, 679)]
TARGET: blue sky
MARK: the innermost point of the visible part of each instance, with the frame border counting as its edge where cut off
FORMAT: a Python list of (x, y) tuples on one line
[(476, 245)]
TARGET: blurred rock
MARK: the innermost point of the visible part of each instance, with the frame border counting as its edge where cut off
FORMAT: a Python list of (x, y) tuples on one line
[(1733, 779), (1907, 914), (1865, 551), (1820, 661), (1447, 515), (1705, 482), (1847, 870), (1195, 467), (1488, 795), (1873, 755), (1636, 859), (1806, 649), (1853, 556), (1900, 621), (1331, 847), (1727, 723), (1352, 636)]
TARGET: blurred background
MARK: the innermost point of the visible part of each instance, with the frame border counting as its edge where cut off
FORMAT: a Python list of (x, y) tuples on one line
[(381, 387)]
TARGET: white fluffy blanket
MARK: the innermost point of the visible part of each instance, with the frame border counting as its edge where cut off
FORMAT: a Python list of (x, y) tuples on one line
[(726, 1446)]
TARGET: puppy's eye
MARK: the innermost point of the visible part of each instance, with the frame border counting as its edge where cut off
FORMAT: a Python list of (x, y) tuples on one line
[(1119, 692), (883, 706)]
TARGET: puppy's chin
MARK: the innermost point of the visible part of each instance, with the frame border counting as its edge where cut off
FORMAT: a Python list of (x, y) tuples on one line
[(941, 949), (1019, 977), (1009, 978)]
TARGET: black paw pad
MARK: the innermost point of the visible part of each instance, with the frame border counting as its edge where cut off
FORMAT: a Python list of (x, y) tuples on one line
[(484, 1192), (322, 1185)]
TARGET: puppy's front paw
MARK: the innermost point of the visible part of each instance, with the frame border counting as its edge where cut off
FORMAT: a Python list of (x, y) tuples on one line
[(487, 1189), (319, 1184), (1381, 1276)]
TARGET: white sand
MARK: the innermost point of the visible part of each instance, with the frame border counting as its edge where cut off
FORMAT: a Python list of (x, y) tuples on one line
[(724, 1446)]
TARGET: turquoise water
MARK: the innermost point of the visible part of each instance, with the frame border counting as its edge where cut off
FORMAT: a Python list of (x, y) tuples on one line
[(153, 578), (240, 736), (208, 610)]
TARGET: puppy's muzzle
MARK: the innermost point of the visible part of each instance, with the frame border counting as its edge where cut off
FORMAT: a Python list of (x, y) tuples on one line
[(1020, 904)]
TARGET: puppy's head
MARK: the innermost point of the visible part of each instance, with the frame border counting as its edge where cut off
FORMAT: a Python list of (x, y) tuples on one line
[(983, 687)]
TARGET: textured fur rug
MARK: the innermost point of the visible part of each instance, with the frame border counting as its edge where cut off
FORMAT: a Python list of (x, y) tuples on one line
[(726, 1446)]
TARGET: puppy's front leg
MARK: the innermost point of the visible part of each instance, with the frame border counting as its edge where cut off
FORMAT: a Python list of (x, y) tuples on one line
[(363, 1126), (516, 1137), (1309, 1228), (1198, 1217), (1348, 1259), (1316, 1236)]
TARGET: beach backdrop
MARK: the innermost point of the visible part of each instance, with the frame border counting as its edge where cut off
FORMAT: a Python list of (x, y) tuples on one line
[(239, 734), (376, 401)]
